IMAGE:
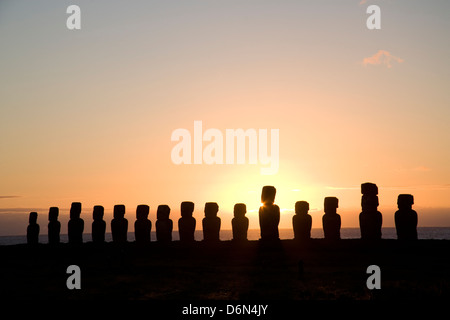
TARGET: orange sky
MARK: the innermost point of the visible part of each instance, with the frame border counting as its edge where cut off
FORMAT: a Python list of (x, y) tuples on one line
[(87, 115)]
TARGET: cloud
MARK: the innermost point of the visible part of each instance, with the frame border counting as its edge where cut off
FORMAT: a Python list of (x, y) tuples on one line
[(20, 210), (9, 197), (410, 187), (342, 188), (420, 187), (382, 58)]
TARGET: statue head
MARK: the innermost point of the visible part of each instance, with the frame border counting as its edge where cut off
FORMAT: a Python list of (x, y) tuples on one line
[(142, 212), (405, 201), (53, 213), (240, 209), (301, 207), (187, 208), (98, 213), (268, 194), (75, 210), (369, 202), (331, 204), (32, 219), (211, 209), (119, 211), (163, 212)]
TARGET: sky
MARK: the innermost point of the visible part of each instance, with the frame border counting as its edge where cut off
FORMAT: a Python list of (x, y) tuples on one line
[(87, 115)]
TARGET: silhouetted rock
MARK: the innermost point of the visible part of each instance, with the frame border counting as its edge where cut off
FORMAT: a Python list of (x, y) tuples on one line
[(331, 220), (239, 223), (211, 222), (269, 214), (98, 225), (33, 229), (406, 218), (302, 221), (75, 226), (163, 224), (54, 226), (186, 224), (370, 219), (142, 226), (119, 224)]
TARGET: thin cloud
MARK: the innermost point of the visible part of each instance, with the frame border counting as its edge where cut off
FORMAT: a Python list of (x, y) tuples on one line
[(9, 197), (420, 187), (382, 58), (21, 210), (342, 188), (416, 187)]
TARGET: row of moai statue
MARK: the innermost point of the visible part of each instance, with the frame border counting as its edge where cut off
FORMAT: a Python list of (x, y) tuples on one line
[(370, 220), (269, 218), (142, 227)]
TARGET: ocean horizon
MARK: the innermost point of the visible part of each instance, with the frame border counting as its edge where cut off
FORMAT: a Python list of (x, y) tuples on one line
[(425, 233)]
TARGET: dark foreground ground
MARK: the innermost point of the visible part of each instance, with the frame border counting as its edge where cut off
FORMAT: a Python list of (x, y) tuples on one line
[(228, 271)]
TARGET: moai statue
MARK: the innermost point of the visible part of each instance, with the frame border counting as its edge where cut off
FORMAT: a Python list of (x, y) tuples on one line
[(211, 222), (142, 226), (75, 226), (186, 224), (370, 219), (54, 226), (119, 224), (98, 225), (302, 221), (33, 229), (331, 220), (240, 222), (163, 225), (406, 218), (269, 214)]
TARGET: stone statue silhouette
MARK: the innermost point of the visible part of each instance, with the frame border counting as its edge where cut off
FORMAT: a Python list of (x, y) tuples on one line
[(269, 214), (142, 226), (186, 224), (75, 226), (406, 218), (370, 219), (239, 223), (54, 226), (163, 224), (119, 224), (331, 220), (33, 229), (302, 221), (98, 225), (211, 222)]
